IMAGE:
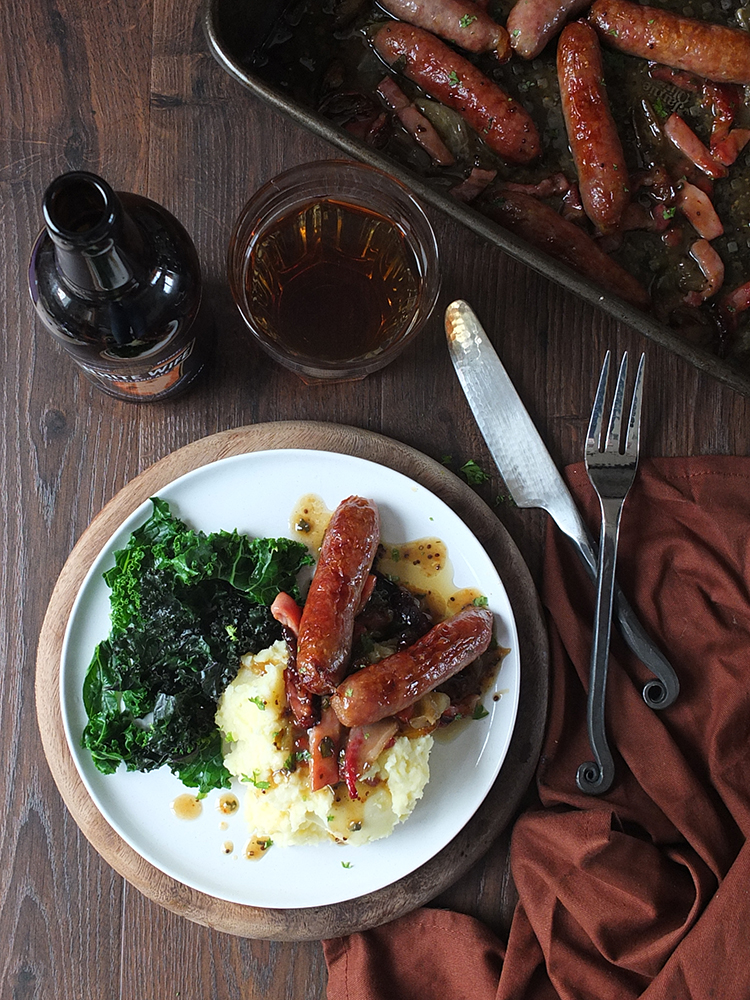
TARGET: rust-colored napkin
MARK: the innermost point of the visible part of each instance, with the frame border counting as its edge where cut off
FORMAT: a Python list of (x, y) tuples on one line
[(644, 892)]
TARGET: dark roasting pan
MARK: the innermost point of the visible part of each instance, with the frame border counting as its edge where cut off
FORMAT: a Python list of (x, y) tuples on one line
[(279, 50)]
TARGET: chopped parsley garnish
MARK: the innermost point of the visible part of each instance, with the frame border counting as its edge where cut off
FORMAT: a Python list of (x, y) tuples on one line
[(467, 19), (473, 474), (255, 780)]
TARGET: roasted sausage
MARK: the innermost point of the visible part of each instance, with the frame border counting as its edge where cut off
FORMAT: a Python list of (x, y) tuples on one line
[(458, 21), (391, 685), (592, 134), (710, 50), (346, 556), (544, 228), (532, 24), (451, 79)]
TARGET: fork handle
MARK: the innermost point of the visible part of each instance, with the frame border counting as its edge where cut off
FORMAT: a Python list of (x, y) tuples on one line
[(595, 777), (657, 694)]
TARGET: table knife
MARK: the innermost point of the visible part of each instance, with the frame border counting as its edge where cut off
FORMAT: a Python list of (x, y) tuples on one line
[(533, 479)]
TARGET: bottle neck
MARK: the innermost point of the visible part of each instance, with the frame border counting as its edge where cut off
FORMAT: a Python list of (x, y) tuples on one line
[(84, 219)]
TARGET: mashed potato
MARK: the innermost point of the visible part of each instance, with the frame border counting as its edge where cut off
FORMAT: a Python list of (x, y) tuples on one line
[(259, 750)]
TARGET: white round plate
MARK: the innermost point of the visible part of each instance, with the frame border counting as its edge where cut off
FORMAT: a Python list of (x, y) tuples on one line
[(256, 494)]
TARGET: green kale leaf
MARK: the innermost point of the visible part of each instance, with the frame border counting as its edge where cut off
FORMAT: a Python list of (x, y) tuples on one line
[(185, 607)]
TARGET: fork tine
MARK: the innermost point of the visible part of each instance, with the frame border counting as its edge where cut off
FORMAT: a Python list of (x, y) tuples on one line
[(594, 434), (614, 431), (634, 423)]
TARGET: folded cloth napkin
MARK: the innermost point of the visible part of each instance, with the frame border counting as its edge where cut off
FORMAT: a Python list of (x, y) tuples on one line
[(645, 891)]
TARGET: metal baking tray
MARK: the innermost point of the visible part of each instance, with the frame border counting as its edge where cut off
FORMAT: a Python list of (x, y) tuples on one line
[(281, 50)]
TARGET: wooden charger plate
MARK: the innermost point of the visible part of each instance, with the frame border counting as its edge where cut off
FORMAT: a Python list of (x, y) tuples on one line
[(497, 810)]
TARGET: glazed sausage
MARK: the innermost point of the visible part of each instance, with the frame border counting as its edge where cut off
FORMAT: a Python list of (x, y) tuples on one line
[(592, 134), (532, 24), (326, 628), (451, 79), (542, 227), (710, 50), (458, 21), (388, 687)]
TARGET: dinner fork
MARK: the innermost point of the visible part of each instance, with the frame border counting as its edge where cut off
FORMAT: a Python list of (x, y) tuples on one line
[(611, 467)]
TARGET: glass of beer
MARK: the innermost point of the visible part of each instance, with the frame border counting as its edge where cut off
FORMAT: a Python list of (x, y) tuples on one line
[(334, 268)]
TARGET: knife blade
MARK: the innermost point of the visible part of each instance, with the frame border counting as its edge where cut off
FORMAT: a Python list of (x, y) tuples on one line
[(533, 479)]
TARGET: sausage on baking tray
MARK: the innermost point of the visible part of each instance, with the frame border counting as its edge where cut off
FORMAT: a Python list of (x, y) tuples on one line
[(592, 134), (391, 685), (335, 595), (547, 230), (711, 50), (459, 21), (501, 121), (532, 24)]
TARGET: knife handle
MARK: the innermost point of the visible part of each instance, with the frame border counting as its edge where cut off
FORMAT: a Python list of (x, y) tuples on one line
[(662, 692)]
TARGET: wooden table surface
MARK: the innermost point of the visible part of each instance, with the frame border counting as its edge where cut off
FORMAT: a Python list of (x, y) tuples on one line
[(128, 90)]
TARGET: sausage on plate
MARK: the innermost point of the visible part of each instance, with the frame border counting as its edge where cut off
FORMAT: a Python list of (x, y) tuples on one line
[(501, 121), (458, 21), (711, 50), (385, 688), (335, 596), (592, 134), (532, 24)]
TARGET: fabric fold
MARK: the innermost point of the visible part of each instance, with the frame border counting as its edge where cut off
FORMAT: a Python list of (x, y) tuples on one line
[(642, 892)]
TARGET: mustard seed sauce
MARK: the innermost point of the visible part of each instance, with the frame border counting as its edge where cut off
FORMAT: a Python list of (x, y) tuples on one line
[(187, 806), (309, 520), (256, 848), (423, 567)]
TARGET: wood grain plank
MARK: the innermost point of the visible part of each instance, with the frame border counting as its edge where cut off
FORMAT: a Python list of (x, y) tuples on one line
[(59, 903)]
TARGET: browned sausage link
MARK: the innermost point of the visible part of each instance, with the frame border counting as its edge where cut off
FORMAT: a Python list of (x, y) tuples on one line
[(542, 227), (594, 142), (346, 557), (390, 686), (710, 50), (459, 21), (533, 23), (451, 79)]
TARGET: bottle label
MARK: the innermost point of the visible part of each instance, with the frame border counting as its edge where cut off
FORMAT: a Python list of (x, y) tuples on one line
[(157, 381)]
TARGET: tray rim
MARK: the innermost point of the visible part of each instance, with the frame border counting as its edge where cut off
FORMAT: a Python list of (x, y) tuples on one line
[(492, 817), (517, 248)]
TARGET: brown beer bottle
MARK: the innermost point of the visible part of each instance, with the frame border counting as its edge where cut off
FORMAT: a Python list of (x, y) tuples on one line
[(116, 279)]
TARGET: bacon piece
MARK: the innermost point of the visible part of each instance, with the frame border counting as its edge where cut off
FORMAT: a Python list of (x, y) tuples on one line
[(572, 207), (286, 611), (712, 267), (679, 132), (698, 208), (733, 303), (679, 78), (727, 150), (419, 128), (364, 746), (303, 706), (325, 743), (552, 185), (474, 184)]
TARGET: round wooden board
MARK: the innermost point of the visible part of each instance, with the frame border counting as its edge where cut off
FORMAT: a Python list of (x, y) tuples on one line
[(468, 846)]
